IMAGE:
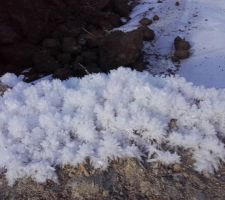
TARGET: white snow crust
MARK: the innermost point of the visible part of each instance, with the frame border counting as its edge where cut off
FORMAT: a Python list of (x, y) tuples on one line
[(201, 22), (103, 117)]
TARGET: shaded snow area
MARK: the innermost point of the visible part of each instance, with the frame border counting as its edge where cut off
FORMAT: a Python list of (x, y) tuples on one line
[(202, 22), (104, 117)]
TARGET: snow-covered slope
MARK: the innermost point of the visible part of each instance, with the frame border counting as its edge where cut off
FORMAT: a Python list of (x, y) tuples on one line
[(202, 22), (104, 117), (207, 64)]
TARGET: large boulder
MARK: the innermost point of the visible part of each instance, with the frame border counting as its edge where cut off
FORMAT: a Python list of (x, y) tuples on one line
[(121, 49)]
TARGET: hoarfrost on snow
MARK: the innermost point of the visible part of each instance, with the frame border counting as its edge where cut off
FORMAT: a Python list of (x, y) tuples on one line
[(105, 117)]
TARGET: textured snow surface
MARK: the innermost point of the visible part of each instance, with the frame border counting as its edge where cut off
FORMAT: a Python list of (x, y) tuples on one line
[(104, 117), (201, 22), (207, 64)]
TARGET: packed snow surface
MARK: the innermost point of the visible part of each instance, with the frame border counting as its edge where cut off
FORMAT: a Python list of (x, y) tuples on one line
[(201, 22), (104, 117), (206, 66)]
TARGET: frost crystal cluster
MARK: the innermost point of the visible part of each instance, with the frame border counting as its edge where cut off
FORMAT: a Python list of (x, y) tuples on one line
[(104, 117)]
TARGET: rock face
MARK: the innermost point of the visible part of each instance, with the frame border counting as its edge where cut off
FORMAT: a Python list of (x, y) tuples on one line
[(55, 35), (121, 49)]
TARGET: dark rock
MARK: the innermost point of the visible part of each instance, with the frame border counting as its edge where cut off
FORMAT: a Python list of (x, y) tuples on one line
[(120, 49), (181, 49), (145, 21), (177, 3), (181, 44), (148, 34), (155, 18), (182, 54), (175, 59)]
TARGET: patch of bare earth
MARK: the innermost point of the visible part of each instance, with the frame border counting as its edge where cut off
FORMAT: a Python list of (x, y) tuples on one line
[(124, 179)]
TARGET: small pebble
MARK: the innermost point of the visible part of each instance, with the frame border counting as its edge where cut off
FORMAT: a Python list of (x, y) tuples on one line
[(177, 3), (155, 18), (177, 168), (205, 174), (146, 22)]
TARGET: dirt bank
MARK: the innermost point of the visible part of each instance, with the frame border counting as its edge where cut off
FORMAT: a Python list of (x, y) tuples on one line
[(66, 38), (124, 179)]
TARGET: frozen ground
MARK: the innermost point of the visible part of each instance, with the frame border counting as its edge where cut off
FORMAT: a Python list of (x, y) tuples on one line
[(202, 22)]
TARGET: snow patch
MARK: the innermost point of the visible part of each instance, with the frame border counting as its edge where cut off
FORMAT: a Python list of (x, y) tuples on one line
[(10, 79), (201, 22), (206, 65)]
